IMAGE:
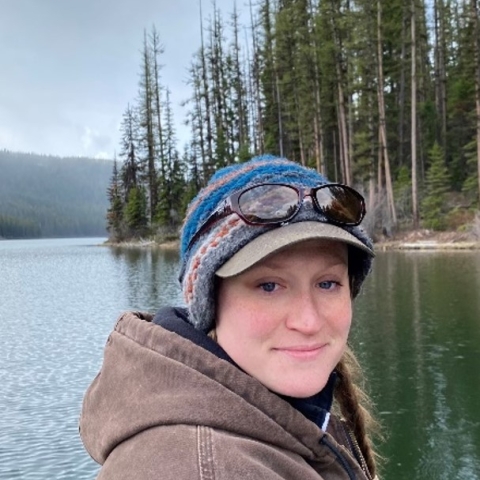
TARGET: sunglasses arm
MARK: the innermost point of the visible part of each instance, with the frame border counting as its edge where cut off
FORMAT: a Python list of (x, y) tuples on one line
[(220, 212)]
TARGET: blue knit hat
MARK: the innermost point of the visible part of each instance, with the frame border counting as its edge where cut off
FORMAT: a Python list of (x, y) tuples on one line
[(219, 245)]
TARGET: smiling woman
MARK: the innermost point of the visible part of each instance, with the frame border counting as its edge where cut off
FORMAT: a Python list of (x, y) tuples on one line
[(296, 312), (254, 378)]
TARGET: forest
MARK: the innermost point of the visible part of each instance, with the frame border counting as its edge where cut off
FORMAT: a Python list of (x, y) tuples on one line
[(381, 95), (45, 196)]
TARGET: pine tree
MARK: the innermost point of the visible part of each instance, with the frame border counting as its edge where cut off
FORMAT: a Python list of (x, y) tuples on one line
[(146, 117), (205, 105), (129, 152), (192, 177), (255, 104), (196, 121), (461, 125), (413, 119), (136, 213), (383, 137), (237, 97), (273, 127), (166, 214), (115, 210), (470, 185), (437, 185)]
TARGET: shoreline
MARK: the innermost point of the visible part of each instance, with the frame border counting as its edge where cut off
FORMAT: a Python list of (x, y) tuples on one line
[(397, 245), (144, 243), (406, 244)]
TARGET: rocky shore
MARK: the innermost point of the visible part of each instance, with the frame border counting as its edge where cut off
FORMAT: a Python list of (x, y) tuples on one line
[(413, 240), (429, 240)]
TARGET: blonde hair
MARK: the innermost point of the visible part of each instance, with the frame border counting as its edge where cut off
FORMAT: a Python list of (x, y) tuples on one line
[(355, 406), (213, 334)]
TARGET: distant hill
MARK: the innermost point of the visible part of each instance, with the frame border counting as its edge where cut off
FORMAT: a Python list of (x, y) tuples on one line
[(45, 196)]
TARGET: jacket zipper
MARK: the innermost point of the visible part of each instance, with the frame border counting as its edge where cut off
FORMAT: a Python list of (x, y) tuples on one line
[(340, 458), (355, 447)]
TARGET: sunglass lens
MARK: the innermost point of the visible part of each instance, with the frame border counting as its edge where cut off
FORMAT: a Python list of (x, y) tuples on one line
[(340, 204), (268, 203)]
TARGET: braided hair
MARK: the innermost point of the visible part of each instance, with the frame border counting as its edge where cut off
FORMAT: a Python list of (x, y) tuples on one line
[(355, 407)]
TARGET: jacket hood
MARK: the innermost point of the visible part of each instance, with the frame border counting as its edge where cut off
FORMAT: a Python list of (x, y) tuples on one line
[(154, 377)]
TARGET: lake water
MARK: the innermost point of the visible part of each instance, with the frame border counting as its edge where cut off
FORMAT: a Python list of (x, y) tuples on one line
[(416, 328)]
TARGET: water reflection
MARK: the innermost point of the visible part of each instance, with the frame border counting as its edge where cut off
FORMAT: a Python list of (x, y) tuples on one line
[(150, 276), (418, 329)]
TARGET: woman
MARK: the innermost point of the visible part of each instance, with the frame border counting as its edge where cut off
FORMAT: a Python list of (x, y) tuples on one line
[(253, 379)]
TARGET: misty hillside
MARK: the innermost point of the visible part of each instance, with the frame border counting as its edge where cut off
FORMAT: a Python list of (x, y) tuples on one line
[(43, 196)]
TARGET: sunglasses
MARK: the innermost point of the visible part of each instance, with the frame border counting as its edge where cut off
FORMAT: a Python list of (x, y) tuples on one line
[(276, 203)]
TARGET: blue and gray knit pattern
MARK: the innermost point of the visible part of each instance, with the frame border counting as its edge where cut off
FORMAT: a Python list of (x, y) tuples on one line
[(226, 237)]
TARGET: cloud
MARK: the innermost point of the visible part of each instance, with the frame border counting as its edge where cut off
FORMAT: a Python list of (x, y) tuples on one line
[(7, 139), (95, 143), (68, 75), (86, 138), (103, 156)]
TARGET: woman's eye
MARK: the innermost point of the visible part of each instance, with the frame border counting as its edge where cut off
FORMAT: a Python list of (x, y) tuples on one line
[(328, 284), (268, 286)]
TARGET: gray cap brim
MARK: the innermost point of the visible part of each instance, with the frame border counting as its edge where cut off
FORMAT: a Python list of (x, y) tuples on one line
[(281, 237)]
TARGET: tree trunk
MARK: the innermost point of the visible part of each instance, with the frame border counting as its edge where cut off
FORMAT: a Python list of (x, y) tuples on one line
[(198, 119), (317, 113), (279, 113), (382, 121), (206, 98), (335, 155), (259, 144), (342, 114), (299, 126), (476, 46), (379, 167), (156, 51), (148, 125), (440, 73), (241, 132), (401, 96), (414, 118)]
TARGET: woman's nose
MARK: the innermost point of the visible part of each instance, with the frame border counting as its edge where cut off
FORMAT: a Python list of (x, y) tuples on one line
[(305, 315)]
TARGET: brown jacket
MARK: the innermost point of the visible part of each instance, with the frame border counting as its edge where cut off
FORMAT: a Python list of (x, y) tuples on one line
[(165, 408)]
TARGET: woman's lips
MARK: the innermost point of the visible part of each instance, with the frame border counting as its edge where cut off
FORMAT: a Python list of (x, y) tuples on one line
[(302, 352)]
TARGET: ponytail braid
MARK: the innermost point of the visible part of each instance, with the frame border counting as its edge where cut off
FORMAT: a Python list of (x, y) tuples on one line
[(355, 406)]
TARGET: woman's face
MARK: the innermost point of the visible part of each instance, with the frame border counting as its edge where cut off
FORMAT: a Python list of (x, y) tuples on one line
[(285, 321)]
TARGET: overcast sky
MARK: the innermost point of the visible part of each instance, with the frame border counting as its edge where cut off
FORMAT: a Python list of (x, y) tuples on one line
[(68, 68)]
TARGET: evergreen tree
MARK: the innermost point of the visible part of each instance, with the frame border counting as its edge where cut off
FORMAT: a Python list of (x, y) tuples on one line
[(204, 106), (470, 185), (196, 121), (192, 178), (136, 213), (237, 98), (461, 76), (128, 152), (179, 194), (270, 84), (437, 183), (115, 210), (167, 211), (146, 122)]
